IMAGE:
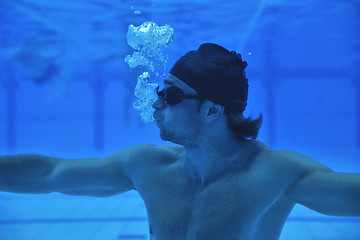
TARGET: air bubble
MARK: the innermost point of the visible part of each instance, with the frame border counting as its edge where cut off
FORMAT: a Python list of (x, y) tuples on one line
[(147, 40)]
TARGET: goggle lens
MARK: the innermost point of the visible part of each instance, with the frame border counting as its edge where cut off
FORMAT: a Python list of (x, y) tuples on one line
[(171, 95)]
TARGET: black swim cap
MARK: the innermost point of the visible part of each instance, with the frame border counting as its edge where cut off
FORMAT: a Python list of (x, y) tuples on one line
[(215, 73)]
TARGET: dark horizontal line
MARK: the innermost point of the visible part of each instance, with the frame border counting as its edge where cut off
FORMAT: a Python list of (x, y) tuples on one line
[(144, 219), (70, 220), (323, 219)]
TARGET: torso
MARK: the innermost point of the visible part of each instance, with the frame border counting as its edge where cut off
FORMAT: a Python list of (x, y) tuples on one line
[(248, 204)]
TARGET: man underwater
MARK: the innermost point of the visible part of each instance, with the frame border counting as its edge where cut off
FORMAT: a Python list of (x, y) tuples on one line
[(218, 182)]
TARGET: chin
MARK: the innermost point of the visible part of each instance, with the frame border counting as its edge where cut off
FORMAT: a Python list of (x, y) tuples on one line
[(163, 135), (167, 136)]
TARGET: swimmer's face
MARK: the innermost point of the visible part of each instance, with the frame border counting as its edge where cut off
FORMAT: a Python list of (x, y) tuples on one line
[(179, 123)]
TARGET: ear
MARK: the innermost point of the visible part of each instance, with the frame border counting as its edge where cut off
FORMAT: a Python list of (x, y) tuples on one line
[(214, 112)]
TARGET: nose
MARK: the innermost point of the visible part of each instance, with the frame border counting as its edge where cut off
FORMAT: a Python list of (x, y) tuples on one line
[(159, 104)]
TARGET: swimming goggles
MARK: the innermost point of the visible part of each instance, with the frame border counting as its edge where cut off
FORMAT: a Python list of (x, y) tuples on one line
[(174, 95)]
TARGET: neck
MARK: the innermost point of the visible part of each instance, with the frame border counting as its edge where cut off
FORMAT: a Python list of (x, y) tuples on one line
[(215, 156)]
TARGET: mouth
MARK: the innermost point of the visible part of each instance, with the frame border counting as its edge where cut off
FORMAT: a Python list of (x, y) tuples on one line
[(157, 121), (155, 116)]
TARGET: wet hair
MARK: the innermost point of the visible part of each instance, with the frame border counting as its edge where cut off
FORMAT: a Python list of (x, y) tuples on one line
[(219, 75), (241, 127)]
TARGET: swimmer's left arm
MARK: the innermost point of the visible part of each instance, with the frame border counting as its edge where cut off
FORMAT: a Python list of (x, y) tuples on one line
[(330, 193), (323, 190)]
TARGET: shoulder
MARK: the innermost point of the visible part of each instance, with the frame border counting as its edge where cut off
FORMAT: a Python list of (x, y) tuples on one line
[(290, 166), (143, 155), (296, 161), (146, 161)]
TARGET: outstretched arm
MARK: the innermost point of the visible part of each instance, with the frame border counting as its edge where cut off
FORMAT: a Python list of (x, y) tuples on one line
[(321, 189), (93, 177), (330, 193), (26, 173)]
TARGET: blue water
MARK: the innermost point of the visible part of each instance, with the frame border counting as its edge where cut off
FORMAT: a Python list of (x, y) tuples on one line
[(65, 91)]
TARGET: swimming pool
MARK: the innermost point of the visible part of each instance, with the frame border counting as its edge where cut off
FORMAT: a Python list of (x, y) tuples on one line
[(67, 92)]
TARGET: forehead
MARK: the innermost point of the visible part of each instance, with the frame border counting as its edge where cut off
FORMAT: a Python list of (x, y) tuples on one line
[(171, 80)]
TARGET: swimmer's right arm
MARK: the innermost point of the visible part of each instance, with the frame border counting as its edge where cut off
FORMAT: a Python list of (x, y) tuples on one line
[(90, 177)]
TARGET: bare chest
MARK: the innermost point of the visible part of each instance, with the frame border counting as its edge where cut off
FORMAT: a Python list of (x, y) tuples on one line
[(231, 205)]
